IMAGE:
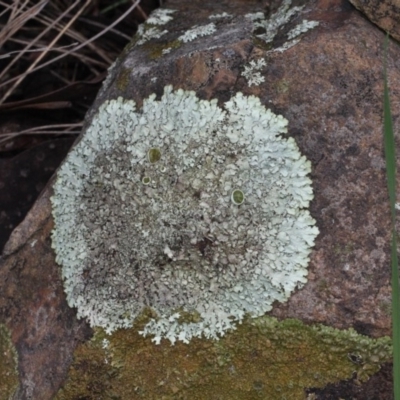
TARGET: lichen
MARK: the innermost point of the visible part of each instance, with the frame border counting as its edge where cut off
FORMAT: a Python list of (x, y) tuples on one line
[(150, 29), (220, 16), (275, 22), (157, 50), (252, 72), (144, 215), (282, 86), (271, 26), (303, 27), (109, 78), (196, 31), (262, 359), (148, 32), (160, 16), (8, 365), (123, 78)]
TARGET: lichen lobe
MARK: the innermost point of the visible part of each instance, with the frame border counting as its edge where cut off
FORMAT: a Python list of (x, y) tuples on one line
[(132, 234)]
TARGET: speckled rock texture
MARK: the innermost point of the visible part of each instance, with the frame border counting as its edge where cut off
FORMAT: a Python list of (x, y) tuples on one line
[(328, 85), (384, 13)]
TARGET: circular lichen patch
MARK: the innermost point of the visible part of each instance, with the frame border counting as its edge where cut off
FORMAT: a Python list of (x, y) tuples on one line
[(182, 245)]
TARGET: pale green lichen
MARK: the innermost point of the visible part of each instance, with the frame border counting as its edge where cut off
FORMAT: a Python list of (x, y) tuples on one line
[(160, 16), (197, 31), (303, 27), (109, 78), (8, 365), (220, 16), (146, 33), (150, 29), (271, 26), (262, 359), (178, 244), (252, 72)]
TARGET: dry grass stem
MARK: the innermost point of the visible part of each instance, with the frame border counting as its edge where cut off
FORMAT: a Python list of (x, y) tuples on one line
[(51, 59), (38, 49), (42, 55), (102, 26), (36, 39), (17, 21), (75, 49), (42, 130)]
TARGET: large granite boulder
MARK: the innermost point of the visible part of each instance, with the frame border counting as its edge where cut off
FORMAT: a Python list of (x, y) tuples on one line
[(317, 64)]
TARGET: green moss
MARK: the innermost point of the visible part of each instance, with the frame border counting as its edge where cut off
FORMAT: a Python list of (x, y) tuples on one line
[(129, 46), (282, 86), (91, 376), (8, 365), (261, 44), (123, 79), (343, 251), (385, 306), (323, 287), (263, 358), (155, 50)]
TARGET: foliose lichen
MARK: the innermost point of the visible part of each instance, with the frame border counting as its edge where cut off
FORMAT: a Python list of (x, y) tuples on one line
[(160, 16), (252, 72), (182, 207), (109, 78), (150, 29), (220, 16), (146, 33), (196, 31), (270, 26), (303, 27)]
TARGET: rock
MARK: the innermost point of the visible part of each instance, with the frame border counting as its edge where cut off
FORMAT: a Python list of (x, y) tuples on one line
[(23, 178), (327, 82), (43, 328), (384, 13)]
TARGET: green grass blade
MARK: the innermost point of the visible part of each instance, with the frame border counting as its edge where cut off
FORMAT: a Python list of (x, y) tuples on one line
[(391, 179)]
